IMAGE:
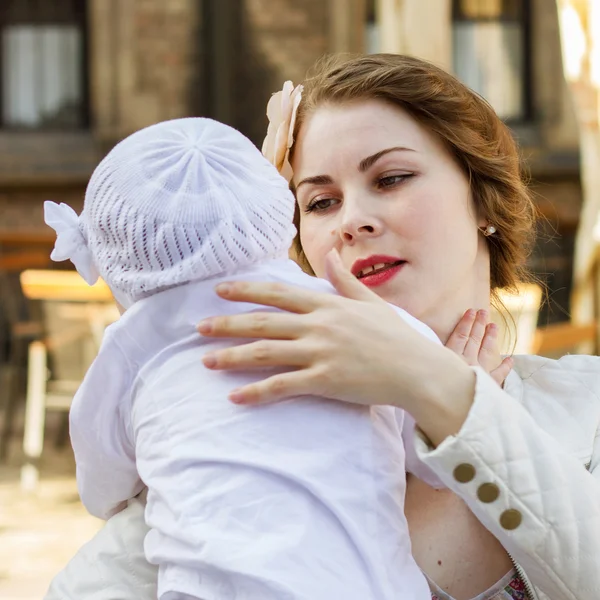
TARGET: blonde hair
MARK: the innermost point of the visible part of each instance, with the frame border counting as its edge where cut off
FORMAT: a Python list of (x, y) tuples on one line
[(479, 141)]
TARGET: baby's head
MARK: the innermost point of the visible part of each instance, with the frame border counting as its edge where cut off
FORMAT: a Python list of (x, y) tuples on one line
[(179, 201)]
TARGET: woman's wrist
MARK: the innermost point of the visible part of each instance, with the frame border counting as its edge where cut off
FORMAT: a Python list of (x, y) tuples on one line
[(445, 397)]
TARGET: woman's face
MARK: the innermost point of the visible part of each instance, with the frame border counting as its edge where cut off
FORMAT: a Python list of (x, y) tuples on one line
[(384, 191)]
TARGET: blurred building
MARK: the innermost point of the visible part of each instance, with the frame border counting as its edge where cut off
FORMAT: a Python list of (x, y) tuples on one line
[(510, 52), (78, 75)]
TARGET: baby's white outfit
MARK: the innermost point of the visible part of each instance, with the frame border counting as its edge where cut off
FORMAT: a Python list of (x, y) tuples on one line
[(299, 500)]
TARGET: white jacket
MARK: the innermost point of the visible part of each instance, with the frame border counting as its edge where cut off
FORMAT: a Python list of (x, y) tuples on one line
[(539, 443), (534, 441)]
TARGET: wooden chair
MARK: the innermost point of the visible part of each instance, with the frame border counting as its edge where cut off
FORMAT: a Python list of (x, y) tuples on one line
[(552, 340), (21, 326), (557, 339), (56, 367)]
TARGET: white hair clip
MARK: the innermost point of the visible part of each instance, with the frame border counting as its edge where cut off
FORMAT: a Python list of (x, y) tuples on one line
[(70, 242)]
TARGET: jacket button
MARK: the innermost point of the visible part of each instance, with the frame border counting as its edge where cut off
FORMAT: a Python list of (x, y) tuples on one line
[(510, 519), (488, 492), (464, 473)]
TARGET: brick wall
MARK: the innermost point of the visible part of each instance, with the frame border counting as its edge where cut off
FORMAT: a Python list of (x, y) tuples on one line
[(167, 52), (280, 40), (144, 66), (37, 167), (21, 209), (148, 62), (145, 63)]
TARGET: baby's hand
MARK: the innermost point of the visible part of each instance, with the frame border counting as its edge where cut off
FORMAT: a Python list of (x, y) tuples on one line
[(476, 341)]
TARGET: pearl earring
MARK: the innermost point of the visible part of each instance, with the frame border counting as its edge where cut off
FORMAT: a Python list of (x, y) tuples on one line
[(489, 230)]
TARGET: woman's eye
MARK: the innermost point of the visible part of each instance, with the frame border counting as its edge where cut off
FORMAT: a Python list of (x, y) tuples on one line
[(392, 180), (320, 205)]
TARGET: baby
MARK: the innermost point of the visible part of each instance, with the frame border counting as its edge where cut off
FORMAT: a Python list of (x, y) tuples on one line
[(302, 499)]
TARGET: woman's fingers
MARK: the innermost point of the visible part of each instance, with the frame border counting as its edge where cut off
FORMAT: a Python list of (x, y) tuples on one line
[(458, 339), (344, 282), (501, 373), (477, 342), (270, 325), (263, 353), (279, 295), (277, 387), (468, 336), (478, 330), (489, 344), (489, 354)]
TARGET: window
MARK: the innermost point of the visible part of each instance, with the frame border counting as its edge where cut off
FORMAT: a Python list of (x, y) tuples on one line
[(372, 33), (42, 52), (491, 53)]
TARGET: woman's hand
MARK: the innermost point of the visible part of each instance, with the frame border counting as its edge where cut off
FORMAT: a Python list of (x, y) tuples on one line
[(476, 341), (353, 347), (348, 347)]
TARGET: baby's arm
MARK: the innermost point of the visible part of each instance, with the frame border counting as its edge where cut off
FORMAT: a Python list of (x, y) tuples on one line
[(230, 505), (106, 472)]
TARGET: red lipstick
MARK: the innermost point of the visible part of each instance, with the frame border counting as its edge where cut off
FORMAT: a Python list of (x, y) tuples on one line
[(377, 269)]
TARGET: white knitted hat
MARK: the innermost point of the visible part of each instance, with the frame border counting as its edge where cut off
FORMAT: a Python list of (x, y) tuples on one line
[(182, 200)]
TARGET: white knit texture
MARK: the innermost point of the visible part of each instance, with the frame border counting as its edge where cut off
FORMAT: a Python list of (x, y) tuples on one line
[(183, 200)]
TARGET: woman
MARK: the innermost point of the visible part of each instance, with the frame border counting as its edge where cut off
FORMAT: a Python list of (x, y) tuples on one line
[(409, 190)]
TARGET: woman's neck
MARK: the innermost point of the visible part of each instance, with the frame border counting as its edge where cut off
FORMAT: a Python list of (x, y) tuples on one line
[(444, 319), (443, 327), (474, 292)]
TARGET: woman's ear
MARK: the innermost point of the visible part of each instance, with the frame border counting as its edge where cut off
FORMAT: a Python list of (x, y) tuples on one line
[(482, 219)]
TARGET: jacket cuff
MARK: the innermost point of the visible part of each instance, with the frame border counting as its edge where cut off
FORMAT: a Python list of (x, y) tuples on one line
[(483, 462)]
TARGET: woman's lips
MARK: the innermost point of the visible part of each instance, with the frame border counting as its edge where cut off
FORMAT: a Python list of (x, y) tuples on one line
[(381, 276)]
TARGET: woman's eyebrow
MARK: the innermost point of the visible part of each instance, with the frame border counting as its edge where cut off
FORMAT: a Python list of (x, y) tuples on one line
[(367, 163), (316, 180)]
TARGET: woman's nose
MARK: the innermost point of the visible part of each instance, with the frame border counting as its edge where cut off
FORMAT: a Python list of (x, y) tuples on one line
[(358, 225)]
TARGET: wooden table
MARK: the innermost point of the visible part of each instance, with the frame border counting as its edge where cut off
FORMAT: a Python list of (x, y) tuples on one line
[(27, 237), (95, 301), (15, 262), (68, 286)]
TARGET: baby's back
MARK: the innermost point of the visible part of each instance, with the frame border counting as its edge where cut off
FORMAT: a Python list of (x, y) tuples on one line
[(299, 499)]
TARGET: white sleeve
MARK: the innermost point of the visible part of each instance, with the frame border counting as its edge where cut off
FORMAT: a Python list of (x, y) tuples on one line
[(243, 502), (104, 456), (547, 509)]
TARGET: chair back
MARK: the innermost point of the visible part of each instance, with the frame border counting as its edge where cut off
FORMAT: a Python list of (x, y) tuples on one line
[(70, 339), (559, 339), (19, 316)]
